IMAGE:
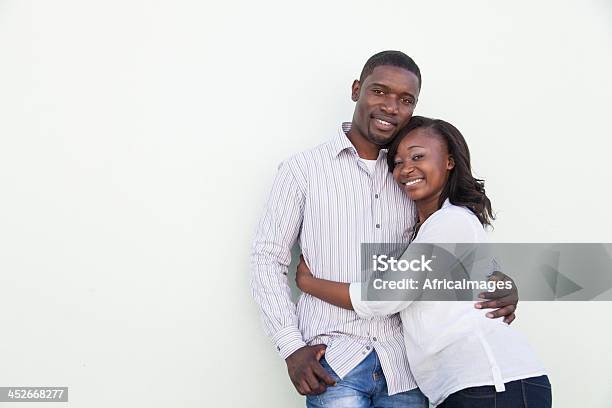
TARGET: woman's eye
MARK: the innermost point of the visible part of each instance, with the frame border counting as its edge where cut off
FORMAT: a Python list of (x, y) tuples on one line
[(417, 157), (397, 163)]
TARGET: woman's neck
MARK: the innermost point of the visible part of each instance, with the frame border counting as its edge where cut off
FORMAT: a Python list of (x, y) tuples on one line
[(427, 207)]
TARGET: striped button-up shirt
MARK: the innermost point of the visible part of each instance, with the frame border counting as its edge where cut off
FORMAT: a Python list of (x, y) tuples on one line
[(327, 199)]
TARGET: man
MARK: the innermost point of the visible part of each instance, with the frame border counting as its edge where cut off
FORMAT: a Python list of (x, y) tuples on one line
[(332, 198)]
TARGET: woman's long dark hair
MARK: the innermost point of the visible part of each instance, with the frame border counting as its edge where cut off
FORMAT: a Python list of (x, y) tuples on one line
[(461, 189)]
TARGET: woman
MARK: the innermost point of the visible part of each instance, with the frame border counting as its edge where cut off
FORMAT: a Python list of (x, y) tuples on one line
[(458, 357)]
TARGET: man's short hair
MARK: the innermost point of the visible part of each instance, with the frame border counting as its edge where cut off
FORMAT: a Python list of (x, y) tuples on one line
[(393, 58)]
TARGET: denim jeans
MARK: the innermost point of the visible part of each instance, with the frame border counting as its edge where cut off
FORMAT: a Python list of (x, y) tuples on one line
[(364, 386), (532, 392)]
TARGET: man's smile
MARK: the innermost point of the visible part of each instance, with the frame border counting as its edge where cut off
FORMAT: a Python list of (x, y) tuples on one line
[(384, 123)]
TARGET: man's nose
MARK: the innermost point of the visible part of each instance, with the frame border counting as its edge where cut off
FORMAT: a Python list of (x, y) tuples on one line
[(390, 105)]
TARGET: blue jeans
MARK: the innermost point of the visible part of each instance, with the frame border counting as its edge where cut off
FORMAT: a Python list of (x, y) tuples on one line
[(532, 392), (364, 386)]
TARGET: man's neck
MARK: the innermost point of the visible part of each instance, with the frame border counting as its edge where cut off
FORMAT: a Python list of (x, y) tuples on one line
[(365, 149)]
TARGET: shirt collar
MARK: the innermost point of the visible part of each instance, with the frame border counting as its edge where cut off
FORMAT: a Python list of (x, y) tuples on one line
[(341, 141)]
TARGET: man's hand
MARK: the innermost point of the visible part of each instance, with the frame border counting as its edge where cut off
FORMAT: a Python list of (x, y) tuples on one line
[(306, 373), (504, 300)]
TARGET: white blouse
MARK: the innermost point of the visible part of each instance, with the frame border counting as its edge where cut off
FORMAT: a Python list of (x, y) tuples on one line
[(452, 345)]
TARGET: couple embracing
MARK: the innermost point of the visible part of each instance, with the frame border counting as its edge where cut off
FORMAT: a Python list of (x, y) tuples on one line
[(387, 176)]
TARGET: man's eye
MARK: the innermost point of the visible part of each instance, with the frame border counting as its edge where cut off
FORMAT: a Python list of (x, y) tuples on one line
[(378, 91), (407, 101)]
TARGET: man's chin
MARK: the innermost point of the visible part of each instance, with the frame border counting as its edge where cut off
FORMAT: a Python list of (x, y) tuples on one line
[(381, 140)]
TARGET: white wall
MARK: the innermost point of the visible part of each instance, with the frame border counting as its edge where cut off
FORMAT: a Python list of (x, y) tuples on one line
[(138, 140)]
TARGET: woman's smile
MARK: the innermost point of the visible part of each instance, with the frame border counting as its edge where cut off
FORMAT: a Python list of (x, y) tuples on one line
[(413, 183)]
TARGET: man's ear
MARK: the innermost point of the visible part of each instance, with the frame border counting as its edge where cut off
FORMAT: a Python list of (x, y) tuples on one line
[(451, 163), (355, 90)]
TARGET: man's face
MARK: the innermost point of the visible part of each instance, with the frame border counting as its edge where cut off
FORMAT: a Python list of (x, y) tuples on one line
[(385, 102)]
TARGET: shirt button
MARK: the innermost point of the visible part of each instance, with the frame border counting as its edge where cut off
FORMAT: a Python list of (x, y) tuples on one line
[(364, 353), (368, 347), (377, 225), (375, 195), (373, 338)]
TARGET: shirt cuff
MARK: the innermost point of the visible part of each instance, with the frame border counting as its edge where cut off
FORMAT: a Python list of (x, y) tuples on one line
[(358, 305), (288, 340)]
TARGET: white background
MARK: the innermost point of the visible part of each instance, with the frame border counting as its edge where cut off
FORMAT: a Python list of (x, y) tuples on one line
[(138, 140)]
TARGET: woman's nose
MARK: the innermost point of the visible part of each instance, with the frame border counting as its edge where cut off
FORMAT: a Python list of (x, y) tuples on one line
[(405, 170)]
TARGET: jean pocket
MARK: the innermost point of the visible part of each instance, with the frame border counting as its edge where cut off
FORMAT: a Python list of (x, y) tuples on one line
[(486, 391), (541, 381), (328, 368)]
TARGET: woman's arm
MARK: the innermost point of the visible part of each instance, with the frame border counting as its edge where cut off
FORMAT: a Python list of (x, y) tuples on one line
[(344, 295), (336, 293)]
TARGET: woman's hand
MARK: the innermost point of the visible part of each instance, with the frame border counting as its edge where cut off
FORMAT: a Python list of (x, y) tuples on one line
[(303, 274)]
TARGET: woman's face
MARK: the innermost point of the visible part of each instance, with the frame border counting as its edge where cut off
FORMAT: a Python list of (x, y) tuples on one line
[(422, 164)]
